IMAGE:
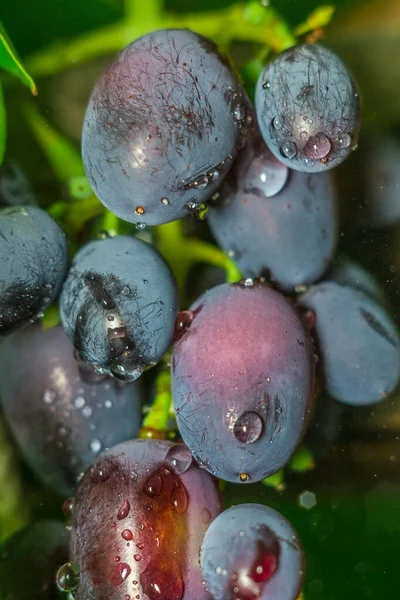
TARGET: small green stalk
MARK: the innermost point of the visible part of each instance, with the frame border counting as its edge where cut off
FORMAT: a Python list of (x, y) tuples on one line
[(155, 423)]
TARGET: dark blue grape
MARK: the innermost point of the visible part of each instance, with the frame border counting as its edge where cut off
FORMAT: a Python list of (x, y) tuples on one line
[(350, 273), (290, 237), (242, 381), (119, 305), (61, 416), (308, 108), (30, 559), (15, 188), (162, 127), (251, 552), (358, 343), (33, 264), (140, 514)]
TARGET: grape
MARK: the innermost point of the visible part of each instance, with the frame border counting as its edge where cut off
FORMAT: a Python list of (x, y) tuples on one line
[(119, 305), (252, 552), (33, 263), (242, 381), (140, 514), (29, 561), (308, 108), (358, 342), (15, 189), (61, 415), (290, 237), (348, 272), (162, 127)]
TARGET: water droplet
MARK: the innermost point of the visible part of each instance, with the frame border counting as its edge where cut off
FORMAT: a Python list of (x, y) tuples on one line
[(244, 477), (183, 322), (49, 396), (140, 226), (108, 404), (180, 458), (68, 577), (127, 535), (288, 150), (179, 498), (87, 411), (139, 210), (238, 113), (124, 510), (317, 146), (191, 206), (266, 85), (79, 402), (102, 470), (303, 135), (153, 486), (119, 573), (205, 516), (344, 141), (161, 582), (137, 557), (95, 446), (164, 201), (201, 182), (248, 282), (277, 123), (68, 507), (213, 175), (248, 427)]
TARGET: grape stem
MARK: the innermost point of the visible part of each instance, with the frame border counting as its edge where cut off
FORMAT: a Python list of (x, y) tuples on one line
[(155, 423)]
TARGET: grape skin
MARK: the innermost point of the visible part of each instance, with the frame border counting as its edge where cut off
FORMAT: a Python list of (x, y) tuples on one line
[(34, 256), (290, 237), (118, 305), (308, 108), (162, 127), (67, 416), (358, 343), (232, 564), (246, 350), (138, 525)]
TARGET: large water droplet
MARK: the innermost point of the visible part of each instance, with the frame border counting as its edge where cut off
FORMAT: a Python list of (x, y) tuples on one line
[(248, 427), (101, 471), (277, 123), (68, 577), (180, 458), (153, 486), (68, 507), (265, 176), (288, 150), (179, 498), (127, 535), (119, 573), (344, 141), (317, 146), (124, 510), (183, 322)]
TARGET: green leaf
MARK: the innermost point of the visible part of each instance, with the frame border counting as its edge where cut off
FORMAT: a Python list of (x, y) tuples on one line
[(302, 461), (10, 61), (3, 134), (276, 481)]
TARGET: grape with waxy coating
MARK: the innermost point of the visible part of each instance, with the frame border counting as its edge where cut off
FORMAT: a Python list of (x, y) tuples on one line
[(15, 188), (33, 264), (350, 273), (272, 222), (140, 514), (162, 126), (251, 552), (61, 415), (358, 343), (308, 108), (29, 561), (119, 305), (242, 381)]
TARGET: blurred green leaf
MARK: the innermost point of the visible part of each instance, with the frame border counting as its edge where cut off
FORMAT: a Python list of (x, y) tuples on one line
[(302, 461), (3, 130), (11, 63), (276, 481), (320, 17)]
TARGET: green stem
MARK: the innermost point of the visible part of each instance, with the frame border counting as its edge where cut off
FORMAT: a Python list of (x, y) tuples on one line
[(110, 223), (3, 130), (156, 421), (198, 251), (148, 13)]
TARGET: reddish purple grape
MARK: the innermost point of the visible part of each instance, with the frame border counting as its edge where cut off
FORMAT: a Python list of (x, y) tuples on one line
[(251, 552), (62, 414), (242, 381), (140, 514)]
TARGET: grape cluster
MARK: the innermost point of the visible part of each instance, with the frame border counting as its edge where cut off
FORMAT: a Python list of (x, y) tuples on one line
[(169, 128)]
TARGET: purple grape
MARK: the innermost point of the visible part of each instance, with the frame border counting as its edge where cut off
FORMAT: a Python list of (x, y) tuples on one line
[(358, 342), (276, 223), (61, 416), (140, 514), (350, 273), (162, 127), (29, 561), (118, 306), (308, 108), (251, 552), (33, 264), (242, 381)]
